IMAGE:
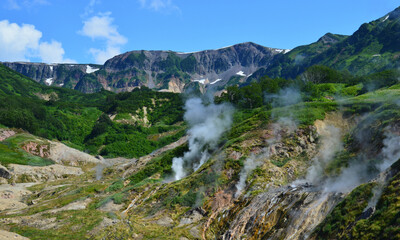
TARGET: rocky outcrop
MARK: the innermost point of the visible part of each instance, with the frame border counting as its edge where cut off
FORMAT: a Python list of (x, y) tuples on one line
[(65, 155), (37, 149), (4, 173), (330, 38), (5, 133), (290, 213)]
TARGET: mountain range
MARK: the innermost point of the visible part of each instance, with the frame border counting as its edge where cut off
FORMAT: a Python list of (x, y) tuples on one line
[(375, 46)]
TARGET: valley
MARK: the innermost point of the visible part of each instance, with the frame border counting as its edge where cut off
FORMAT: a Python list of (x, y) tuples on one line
[(243, 142)]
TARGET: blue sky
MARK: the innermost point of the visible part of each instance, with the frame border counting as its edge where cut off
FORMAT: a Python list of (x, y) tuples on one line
[(91, 31)]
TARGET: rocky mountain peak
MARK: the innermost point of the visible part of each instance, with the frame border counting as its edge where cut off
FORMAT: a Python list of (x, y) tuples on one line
[(329, 38)]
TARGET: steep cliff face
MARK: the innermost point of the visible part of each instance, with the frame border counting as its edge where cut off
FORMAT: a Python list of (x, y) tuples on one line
[(61, 75)]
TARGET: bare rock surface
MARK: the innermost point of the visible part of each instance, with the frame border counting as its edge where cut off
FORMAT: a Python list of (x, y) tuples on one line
[(6, 133), (78, 205), (5, 235), (38, 174), (62, 154), (11, 196), (111, 207), (165, 222)]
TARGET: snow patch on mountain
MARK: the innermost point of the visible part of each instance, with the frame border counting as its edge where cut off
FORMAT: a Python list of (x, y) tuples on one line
[(89, 69), (241, 73), (219, 79), (284, 51), (49, 81), (386, 18), (202, 81)]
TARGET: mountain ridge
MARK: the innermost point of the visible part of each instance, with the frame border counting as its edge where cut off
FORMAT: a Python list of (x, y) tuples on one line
[(372, 48)]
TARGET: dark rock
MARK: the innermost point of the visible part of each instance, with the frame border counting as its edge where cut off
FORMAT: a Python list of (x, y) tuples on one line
[(4, 173), (366, 214)]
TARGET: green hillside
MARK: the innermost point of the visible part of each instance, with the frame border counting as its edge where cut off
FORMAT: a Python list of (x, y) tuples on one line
[(82, 120), (373, 47)]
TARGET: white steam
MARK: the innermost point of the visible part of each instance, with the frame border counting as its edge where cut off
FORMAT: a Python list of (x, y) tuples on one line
[(348, 179), (331, 143), (287, 96), (207, 124), (250, 164), (358, 171), (284, 126), (101, 165), (390, 151)]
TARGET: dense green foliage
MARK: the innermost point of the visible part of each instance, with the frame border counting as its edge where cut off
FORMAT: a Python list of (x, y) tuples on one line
[(82, 121), (385, 222), (316, 84)]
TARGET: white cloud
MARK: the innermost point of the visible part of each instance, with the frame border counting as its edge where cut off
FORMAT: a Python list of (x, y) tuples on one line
[(53, 52), (166, 6), (21, 43), (100, 27)]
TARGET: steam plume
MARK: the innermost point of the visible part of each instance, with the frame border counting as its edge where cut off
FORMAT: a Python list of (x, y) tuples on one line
[(283, 126), (250, 164), (207, 124), (287, 96), (359, 171), (331, 143), (391, 153)]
